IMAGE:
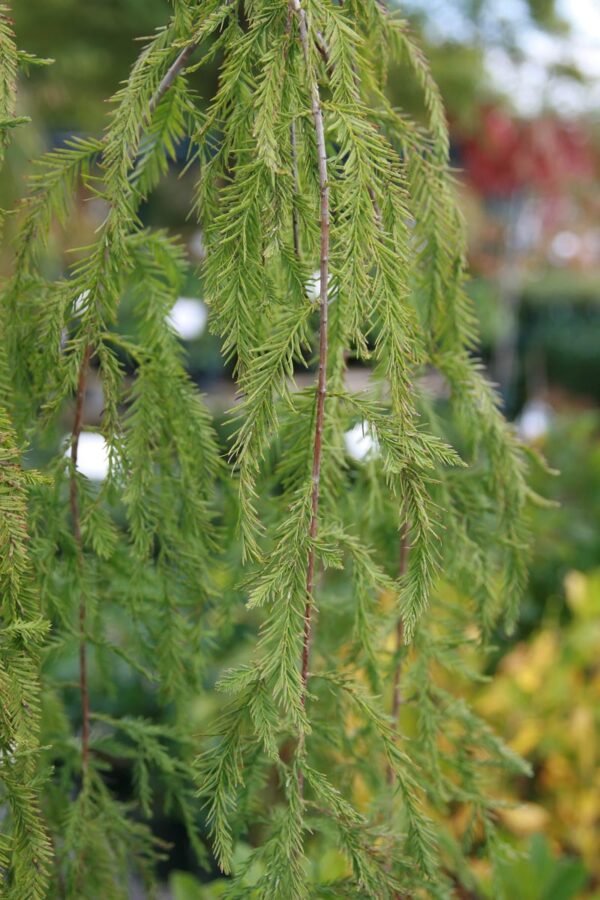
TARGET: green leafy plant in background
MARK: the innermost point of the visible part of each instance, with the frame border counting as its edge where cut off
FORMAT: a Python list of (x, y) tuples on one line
[(336, 734), (540, 876)]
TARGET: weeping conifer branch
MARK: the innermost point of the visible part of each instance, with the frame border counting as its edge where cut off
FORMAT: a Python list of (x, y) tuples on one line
[(302, 164), (164, 86), (324, 225), (25, 846), (373, 274), (70, 320)]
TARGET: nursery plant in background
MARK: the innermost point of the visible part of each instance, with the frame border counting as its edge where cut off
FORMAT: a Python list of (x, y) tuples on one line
[(331, 235)]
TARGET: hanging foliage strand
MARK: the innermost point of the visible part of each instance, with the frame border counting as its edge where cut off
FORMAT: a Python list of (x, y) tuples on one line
[(331, 235)]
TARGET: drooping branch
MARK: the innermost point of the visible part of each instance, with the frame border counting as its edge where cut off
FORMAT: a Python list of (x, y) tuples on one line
[(396, 688), (166, 83), (397, 673), (76, 523), (317, 114)]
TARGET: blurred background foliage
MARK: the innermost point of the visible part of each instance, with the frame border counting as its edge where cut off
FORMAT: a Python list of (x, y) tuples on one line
[(528, 182)]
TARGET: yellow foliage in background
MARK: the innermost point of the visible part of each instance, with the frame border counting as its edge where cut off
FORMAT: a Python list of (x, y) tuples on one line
[(545, 698)]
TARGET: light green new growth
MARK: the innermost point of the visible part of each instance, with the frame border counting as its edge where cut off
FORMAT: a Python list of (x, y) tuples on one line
[(24, 845), (303, 167)]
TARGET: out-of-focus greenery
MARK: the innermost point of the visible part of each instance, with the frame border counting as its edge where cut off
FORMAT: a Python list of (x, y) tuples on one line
[(567, 534), (460, 72), (546, 697), (539, 875), (545, 694), (558, 328), (489, 20), (93, 44)]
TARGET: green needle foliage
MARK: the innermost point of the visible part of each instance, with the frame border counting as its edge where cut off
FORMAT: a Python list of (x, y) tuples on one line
[(340, 730)]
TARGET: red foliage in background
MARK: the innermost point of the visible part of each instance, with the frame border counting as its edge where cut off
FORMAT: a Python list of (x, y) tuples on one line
[(507, 154)]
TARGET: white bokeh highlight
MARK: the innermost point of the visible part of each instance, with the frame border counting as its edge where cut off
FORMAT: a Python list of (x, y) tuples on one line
[(188, 318), (92, 456), (313, 285), (534, 422), (80, 300), (360, 442), (566, 245)]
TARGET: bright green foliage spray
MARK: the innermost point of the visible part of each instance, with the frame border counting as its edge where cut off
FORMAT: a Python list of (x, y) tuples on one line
[(303, 167)]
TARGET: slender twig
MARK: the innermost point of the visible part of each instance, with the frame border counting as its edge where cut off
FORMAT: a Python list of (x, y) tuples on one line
[(323, 50), (76, 520), (397, 676), (396, 682), (172, 72), (317, 114), (169, 77), (397, 694)]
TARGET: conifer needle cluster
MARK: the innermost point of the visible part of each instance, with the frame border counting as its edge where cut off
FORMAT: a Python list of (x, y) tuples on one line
[(331, 235)]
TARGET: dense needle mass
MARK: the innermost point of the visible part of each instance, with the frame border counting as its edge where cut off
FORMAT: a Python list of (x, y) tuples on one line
[(303, 165)]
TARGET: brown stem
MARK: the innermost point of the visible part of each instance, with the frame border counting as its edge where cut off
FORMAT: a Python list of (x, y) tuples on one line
[(169, 77), (396, 694), (323, 50), (326, 57), (76, 520), (317, 114), (396, 687), (175, 69), (396, 681)]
